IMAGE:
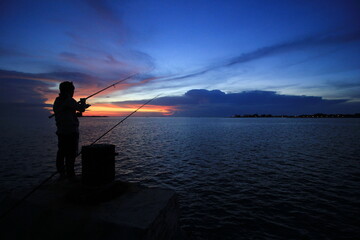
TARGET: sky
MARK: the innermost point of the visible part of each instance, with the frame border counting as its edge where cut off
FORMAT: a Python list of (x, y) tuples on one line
[(204, 58)]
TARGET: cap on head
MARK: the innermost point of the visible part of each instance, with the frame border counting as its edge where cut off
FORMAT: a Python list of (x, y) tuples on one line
[(66, 87)]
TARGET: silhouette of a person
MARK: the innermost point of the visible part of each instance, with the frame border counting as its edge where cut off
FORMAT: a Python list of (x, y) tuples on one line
[(67, 124)]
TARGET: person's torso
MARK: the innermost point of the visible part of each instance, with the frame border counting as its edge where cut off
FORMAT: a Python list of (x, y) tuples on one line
[(65, 115)]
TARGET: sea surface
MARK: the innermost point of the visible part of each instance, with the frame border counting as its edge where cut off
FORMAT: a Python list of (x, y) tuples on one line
[(255, 178)]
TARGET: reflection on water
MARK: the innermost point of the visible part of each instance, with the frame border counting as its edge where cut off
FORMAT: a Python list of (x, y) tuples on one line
[(236, 178)]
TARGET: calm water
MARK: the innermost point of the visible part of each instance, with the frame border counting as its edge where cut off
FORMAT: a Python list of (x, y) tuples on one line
[(236, 178)]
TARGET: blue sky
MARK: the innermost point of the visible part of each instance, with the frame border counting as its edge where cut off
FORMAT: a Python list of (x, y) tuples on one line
[(283, 49)]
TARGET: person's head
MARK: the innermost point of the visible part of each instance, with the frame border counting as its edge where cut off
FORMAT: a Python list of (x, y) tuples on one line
[(66, 89)]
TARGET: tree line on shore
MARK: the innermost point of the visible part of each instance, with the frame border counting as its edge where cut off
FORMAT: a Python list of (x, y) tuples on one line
[(317, 115)]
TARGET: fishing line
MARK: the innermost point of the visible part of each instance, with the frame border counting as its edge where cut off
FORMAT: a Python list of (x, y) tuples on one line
[(7, 212)]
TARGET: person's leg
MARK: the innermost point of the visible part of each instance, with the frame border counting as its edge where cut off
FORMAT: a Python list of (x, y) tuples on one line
[(72, 145), (60, 156)]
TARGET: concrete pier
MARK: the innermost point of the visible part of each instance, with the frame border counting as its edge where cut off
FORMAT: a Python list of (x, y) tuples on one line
[(72, 211)]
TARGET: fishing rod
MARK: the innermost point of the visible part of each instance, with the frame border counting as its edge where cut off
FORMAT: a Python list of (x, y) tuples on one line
[(124, 119), (83, 100), (53, 174)]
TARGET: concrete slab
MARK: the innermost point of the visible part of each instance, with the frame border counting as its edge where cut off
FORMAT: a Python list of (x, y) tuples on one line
[(72, 211)]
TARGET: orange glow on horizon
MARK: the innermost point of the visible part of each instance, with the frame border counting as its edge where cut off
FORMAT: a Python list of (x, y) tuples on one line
[(108, 109), (113, 110)]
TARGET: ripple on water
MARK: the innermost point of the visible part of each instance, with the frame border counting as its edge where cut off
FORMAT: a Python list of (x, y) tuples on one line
[(236, 178)]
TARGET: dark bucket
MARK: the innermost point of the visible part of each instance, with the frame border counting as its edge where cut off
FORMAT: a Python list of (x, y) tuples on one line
[(98, 164)]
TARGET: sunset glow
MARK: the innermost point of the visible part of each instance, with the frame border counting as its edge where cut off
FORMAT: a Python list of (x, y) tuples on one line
[(123, 110), (114, 110)]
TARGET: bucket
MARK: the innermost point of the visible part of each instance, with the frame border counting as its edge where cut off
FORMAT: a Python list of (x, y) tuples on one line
[(98, 164)]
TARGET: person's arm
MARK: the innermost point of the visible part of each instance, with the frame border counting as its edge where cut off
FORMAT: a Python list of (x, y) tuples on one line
[(56, 106), (81, 105), (61, 104), (70, 104)]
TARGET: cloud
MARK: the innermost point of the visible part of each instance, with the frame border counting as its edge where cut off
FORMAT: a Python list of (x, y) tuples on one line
[(23, 93), (28, 94), (92, 38), (105, 11), (22, 98), (7, 52), (309, 42), (106, 64), (346, 87), (215, 103), (102, 48), (299, 44)]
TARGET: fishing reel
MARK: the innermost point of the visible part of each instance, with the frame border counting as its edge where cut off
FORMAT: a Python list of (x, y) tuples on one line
[(83, 103)]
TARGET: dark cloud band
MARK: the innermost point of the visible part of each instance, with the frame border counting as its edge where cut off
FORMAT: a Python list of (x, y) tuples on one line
[(215, 103)]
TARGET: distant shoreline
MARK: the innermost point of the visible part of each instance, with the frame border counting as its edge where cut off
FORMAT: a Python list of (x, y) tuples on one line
[(317, 115)]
